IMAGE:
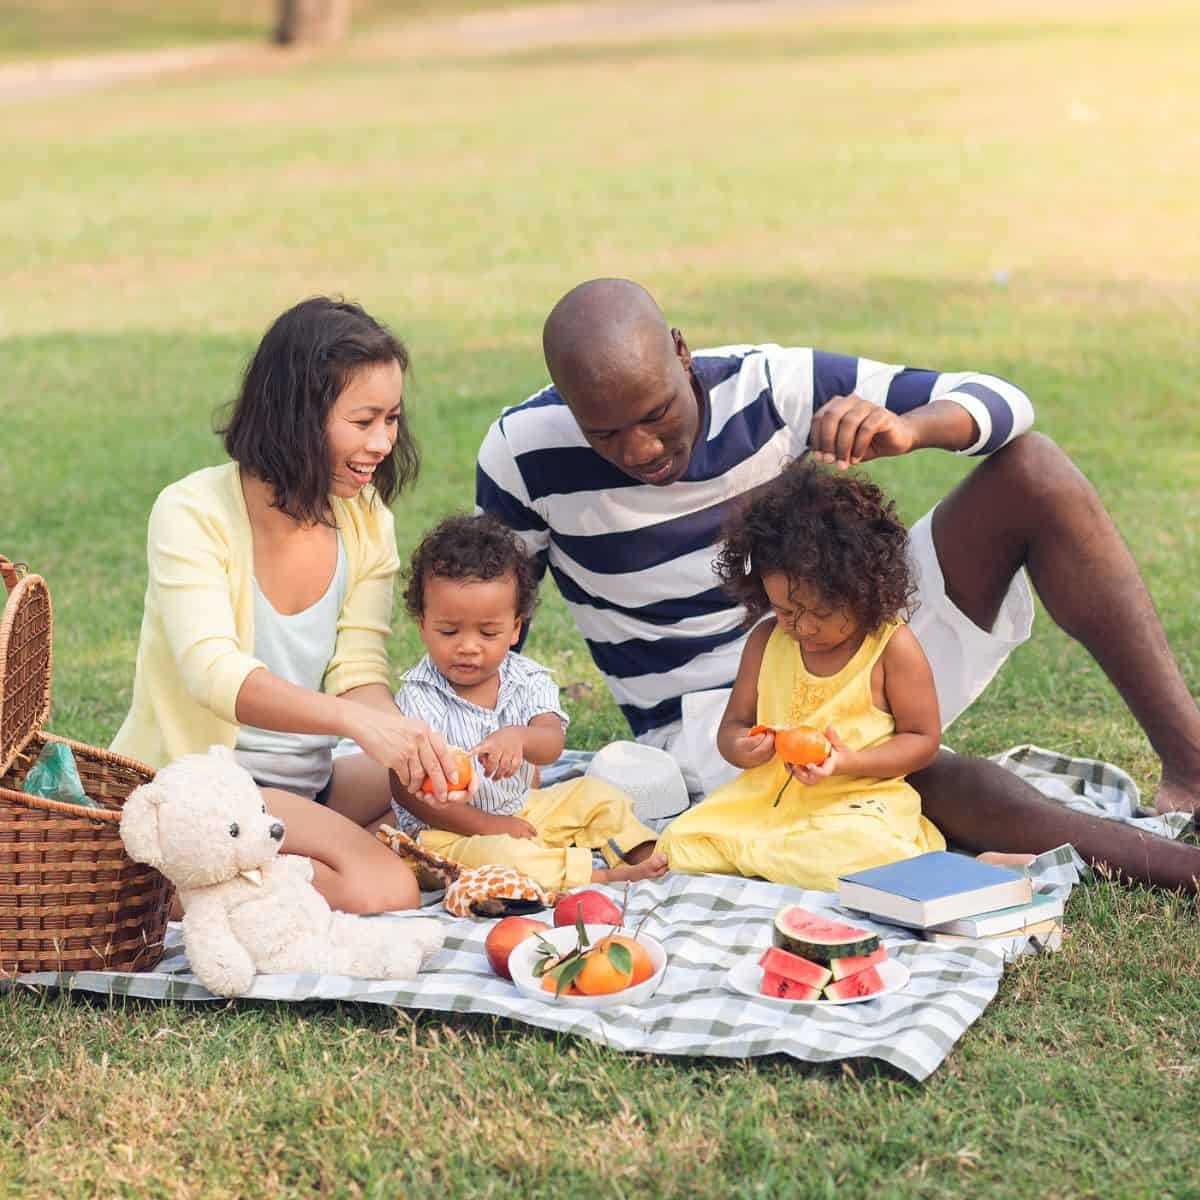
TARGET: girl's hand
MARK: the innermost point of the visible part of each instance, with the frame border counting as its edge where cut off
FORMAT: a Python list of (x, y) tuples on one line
[(409, 747), (839, 761), (502, 753), (754, 749)]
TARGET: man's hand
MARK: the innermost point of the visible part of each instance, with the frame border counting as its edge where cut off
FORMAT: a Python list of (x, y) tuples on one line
[(849, 430), (502, 754)]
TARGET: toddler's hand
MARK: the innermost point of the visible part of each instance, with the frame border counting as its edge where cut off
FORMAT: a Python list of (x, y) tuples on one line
[(502, 754), (754, 749), (835, 764), (518, 828)]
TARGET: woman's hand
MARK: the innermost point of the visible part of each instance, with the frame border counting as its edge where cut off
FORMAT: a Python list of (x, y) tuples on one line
[(409, 747)]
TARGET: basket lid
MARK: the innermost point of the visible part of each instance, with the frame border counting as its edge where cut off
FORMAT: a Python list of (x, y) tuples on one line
[(24, 666)]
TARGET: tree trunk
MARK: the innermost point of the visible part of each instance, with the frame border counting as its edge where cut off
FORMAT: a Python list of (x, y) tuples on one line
[(312, 21)]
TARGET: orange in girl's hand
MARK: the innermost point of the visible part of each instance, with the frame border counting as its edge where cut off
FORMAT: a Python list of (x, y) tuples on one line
[(800, 745), (462, 772)]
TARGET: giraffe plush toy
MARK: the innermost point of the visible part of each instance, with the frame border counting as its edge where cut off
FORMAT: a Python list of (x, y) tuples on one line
[(491, 891)]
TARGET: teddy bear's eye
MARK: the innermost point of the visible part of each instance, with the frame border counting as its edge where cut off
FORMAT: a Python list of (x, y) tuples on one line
[(234, 830)]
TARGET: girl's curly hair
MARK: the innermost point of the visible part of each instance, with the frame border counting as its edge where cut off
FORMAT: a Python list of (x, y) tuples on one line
[(836, 533), (471, 547)]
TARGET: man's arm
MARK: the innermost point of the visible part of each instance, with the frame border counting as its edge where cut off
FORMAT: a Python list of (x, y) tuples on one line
[(862, 409)]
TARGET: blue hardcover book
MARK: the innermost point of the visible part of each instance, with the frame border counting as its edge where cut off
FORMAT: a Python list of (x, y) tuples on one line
[(933, 888)]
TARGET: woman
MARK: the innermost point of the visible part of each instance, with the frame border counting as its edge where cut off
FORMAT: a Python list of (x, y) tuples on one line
[(270, 596)]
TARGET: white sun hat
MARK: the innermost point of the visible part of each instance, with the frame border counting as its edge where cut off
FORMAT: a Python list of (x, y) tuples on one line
[(649, 776)]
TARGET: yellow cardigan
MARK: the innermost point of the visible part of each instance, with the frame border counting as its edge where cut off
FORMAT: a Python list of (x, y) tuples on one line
[(197, 640)]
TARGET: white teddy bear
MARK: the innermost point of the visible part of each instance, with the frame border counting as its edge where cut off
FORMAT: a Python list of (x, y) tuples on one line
[(203, 824)]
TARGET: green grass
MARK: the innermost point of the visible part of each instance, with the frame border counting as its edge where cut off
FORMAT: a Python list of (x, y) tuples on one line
[(850, 180)]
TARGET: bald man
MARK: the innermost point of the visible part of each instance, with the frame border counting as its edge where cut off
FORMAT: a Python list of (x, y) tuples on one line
[(619, 477)]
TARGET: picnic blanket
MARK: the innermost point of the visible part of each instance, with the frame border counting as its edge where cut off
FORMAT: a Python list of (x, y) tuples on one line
[(706, 924)]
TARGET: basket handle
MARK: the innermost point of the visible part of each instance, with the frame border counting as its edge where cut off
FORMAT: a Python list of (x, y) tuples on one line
[(12, 572)]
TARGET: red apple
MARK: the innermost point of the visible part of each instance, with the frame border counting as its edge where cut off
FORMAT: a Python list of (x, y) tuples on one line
[(504, 937), (596, 907)]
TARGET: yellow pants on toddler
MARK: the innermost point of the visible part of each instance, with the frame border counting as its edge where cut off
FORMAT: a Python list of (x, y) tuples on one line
[(572, 819)]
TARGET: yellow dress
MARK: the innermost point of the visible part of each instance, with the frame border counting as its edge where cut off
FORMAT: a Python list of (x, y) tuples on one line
[(842, 824)]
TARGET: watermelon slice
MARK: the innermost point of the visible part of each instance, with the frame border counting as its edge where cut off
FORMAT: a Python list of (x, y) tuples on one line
[(843, 968), (791, 966), (787, 989), (803, 933), (864, 983)]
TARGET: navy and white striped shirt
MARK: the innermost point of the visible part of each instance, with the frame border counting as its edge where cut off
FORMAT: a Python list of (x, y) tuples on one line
[(526, 690), (633, 561)]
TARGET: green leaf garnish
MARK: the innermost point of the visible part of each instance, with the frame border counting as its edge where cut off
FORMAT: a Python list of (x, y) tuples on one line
[(620, 957)]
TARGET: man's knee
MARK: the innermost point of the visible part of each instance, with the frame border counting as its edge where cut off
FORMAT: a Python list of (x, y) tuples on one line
[(1035, 468)]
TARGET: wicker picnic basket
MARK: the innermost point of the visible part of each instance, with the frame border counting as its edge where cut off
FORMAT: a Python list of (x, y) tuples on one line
[(71, 899)]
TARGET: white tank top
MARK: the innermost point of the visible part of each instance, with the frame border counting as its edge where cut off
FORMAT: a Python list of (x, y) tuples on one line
[(297, 647)]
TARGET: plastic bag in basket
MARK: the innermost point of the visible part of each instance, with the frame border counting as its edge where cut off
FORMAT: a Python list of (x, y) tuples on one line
[(55, 777)]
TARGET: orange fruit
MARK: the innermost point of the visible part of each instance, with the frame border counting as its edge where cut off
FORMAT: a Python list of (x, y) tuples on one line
[(550, 984), (643, 964), (599, 975), (462, 772), (802, 746)]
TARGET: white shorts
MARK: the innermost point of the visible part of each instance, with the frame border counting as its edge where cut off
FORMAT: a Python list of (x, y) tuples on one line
[(964, 659)]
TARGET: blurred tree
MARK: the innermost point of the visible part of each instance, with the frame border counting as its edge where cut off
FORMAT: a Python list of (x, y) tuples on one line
[(312, 21)]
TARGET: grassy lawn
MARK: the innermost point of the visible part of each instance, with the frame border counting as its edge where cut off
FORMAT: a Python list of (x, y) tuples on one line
[(1009, 188)]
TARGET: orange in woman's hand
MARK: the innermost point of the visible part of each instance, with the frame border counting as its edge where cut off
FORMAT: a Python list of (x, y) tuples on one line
[(801, 745), (462, 772)]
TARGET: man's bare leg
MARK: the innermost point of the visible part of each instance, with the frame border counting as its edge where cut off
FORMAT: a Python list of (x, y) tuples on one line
[(983, 806), (1030, 506)]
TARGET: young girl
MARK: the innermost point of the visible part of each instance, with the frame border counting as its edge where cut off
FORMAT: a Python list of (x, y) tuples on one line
[(470, 588), (825, 554), (269, 599)]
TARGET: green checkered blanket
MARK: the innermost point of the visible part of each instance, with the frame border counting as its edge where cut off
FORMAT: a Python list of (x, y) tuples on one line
[(707, 924)]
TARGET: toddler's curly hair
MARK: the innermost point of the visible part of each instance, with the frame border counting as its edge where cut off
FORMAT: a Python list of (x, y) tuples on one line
[(471, 547), (837, 533)]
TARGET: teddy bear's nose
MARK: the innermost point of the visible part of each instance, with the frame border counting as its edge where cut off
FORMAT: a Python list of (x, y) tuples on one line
[(276, 831)]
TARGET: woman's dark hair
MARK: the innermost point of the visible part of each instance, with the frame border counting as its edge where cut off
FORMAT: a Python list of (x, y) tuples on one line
[(477, 547), (301, 366), (836, 533)]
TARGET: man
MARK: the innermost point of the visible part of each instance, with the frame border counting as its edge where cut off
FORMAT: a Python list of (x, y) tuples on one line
[(620, 474)]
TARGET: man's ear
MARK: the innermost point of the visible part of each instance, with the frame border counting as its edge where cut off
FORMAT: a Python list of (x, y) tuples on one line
[(139, 824), (681, 349)]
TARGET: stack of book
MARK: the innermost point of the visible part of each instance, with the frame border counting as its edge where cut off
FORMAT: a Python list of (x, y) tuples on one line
[(957, 900)]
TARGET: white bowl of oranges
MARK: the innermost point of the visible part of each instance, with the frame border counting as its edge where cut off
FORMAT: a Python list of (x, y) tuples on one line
[(602, 966)]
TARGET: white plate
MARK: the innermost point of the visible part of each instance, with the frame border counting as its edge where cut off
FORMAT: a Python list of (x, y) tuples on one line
[(746, 978), (523, 958)]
